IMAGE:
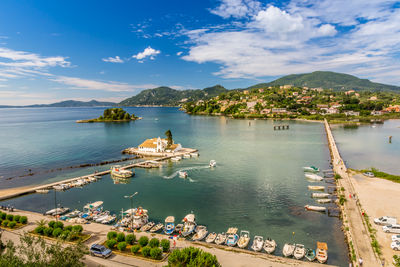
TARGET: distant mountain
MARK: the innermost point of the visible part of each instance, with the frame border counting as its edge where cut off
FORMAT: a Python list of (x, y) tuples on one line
[(67, 103), (165, 96), (329, 80)]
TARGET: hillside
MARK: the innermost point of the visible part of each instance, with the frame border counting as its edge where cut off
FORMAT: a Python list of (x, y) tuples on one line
[(165, 96), (73, 103), (327, 80)]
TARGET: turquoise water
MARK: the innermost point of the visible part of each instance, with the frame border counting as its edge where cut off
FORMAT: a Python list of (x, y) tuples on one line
[(258, 184), (368, 146)]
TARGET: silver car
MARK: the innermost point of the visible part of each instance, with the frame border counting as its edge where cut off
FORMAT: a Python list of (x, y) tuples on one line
[(392, 228)]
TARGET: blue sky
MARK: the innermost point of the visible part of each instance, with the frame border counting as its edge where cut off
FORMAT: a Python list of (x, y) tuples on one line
[(109, 50)]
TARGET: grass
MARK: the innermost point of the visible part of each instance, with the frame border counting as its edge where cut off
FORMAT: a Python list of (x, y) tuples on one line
[(374, 243), (16, 227), (82, 238), (383, 175)]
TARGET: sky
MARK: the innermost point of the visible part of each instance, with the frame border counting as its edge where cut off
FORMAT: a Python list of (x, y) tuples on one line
[(109, 50)]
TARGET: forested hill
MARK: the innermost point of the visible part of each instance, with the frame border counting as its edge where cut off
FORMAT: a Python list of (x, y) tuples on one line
[(329, 80), (165, 96)]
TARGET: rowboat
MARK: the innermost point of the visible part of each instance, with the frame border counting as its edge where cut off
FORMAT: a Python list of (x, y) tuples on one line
[(322, 252), (169, 225), (320, 195), (313, 176), (118, 172), (299, 251), (213, 163), (310, 254), (244, 239), (288, 249), (315, 208), (316, 187), (324, 200), (211, 237), (258, 243), (147, 226), (201, 233), (156, 228), (220, 239), (311, 169), (269, 245)]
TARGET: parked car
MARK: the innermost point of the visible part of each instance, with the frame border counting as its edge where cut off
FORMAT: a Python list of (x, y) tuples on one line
[(369, 174), (395, 245), (99, 250), (392, 228), (395, 238), (385, 220)]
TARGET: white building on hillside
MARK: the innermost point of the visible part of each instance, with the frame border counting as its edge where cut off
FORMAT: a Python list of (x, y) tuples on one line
[(155, 145)]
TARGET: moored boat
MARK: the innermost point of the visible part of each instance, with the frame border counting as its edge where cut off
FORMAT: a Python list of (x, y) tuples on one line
[(310, 254), (140, 218), (211, 237), (194, 154), (232, 238), (269, 245), (316, 187), (73, 214), (299, 251), (213, 163), (186, 156), (201, 233), (311, 169), (320, 195), (313, 176), (178, 227), (258, 243), (288, 249), (183, 174), (147, 226), (244, 239), (220, 239), (189, 225), (42, 191), (119, 172), (109, 219), (324, 200), (175, 159), (156, 228), (169, 225), (315, 208), (322, 252)]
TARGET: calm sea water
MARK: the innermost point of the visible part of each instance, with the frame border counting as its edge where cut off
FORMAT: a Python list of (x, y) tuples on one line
[(258, 184)]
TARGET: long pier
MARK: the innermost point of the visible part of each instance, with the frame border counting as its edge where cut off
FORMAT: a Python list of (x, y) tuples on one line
[(357, 235), (142, 164)]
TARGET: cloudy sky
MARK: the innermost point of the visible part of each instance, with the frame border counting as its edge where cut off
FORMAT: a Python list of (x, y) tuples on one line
[(110, 50)]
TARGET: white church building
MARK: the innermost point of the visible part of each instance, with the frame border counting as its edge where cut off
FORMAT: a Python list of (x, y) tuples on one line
[(158, 145)]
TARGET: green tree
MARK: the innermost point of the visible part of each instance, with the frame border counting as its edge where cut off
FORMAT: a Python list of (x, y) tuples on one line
[(143, 241), (165, 244), (154, 242), (168, 134)]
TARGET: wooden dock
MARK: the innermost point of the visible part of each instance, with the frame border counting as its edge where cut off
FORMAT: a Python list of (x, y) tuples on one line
[(143, 164)]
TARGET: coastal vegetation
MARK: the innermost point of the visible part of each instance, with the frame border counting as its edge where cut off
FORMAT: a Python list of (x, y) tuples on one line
[(380, 174), (168, 134), (10, 221), (56, 230), (191, 256), (396, 260), (113, 115)]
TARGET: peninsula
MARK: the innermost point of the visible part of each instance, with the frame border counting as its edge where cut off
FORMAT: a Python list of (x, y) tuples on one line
[(113, 115)]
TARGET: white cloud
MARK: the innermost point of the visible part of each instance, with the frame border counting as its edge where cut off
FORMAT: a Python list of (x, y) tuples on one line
[(116, 59), (30, 60), (179, 53), (148, 52), (236, 8)]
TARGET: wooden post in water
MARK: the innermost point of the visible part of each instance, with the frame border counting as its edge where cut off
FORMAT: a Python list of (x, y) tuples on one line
[(390, 139)]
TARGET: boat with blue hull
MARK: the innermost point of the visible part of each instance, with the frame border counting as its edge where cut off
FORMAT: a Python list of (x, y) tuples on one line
[(169, 226)]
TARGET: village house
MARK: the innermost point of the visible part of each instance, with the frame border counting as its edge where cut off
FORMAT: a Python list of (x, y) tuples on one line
[(332, 110), (265, 111), (261, 90), (295, 93), (157, 145), (352, 113), (376, 113), (349, 92), (279, 110), (395, 108), (286, 86), (321, 106), (246, 92), (373, 98)]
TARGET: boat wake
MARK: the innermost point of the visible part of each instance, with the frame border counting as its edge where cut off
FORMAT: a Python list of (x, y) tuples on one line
[(186, 169)]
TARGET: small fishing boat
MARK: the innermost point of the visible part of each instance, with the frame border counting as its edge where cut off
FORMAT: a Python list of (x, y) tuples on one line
[(310, 254), (313, 176), (189, 225), (258, 243), (315, 208), (183, 174), (101, 217), (244, 239), (147, 226), (316, 187), (140, 218), (213, 163), (175, 159), (220, 239), (288, 249), (73, 214), (211, 237), (186, 156), (324, 200), (311, 169), (232, 238), (118, 172), (60, 211), (109, 219), (50, 212), (156, 228), (194, 154), (201, 233), (178, 227), (322, 252), (59, 187), (320, 195), (169, 225), (42, 191), (299, 251), (269, 245)]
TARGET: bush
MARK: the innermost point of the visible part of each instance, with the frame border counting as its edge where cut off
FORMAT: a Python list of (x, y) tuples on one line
[(165, 245), (48, 231), (59, 225), (120, 237), (3, 215), (155, 253), (39, 230), (130, 239), (16, 218), (12, 224), (121, 246), (57, 232), (68, 228), (65, 234), (111, 243), (51, 224), (143, 241), (154, 243), (111, 235), (146, 251), (5, 223), (73, 235), (135, 249), (23, 219), (77, 228), (10, 217), (191, 256)]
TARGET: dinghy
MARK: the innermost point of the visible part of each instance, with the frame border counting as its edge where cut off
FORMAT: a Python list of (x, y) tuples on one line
[(288, 249), (315, 208), (269, 245), (220, 239), (147, 226), (324, 200), (313, 176), (320, 195), (310, 254), (322, 252), (201, 233), (211, 237), (258, 243), (244, 239), (299, 251), (316, 187), (156, 228), (311, 169), (169, 225)]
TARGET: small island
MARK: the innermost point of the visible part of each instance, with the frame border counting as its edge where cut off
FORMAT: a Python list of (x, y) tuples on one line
[(113, 115)]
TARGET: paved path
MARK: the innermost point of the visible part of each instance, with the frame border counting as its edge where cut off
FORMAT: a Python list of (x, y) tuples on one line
[(358, 230)]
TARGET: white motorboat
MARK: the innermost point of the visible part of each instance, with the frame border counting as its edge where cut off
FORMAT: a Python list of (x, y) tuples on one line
[(101, 217), (50, 212), (324, 200), (156, 228), (175, 159), (299, 251), (147, 226), (322, 252), (140, 218), (211, 237), (59, 187), (315, 208), (316, 187), (313, 176), (288, 249), (269, 245), (42, 191), (73, 214), (213, 163), (201, 233), (194, 154), (232, 238), (178, 227), (183, 174), (320, 195), (189, 225), (244, 239), (258, 243), (119, 172), (169, 227), (220, 239), (311, 169), (186, 156), (109, 219), (60, 211)]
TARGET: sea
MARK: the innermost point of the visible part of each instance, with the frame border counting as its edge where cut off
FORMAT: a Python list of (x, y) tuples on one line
[(258, 184)]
